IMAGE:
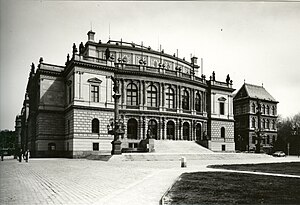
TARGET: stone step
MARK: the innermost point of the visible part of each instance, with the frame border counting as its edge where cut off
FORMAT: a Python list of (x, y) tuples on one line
[(171, 146), (189, 156)]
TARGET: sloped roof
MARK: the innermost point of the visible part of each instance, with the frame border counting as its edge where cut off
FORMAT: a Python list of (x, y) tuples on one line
[(255, 91)]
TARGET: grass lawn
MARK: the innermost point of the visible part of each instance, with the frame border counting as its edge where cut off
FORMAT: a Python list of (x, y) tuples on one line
[(280, 168), (233, 188)]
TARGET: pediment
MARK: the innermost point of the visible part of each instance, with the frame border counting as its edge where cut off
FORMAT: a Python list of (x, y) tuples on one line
[(94, 80)]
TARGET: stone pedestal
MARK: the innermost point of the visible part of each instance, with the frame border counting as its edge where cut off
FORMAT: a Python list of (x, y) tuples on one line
[(150, 144), (116, 147)]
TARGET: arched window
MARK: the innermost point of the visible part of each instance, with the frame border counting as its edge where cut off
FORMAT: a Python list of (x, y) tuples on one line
[(170, 130), (198, 102), (132, 129), (170, 97), (253, 108), (132, 94), (222, 132), (185, 100), (186, 131), (263, 122), (268, 110), (253, 123), (152, 127), (263, 109), (151, 96), (51, 146), (95, 125), (273, 125), (198, 132), (267, 124), (273, 110)]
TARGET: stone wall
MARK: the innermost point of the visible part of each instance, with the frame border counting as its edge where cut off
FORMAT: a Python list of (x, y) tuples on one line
[(50, 125), (217, 141), (82, 138)]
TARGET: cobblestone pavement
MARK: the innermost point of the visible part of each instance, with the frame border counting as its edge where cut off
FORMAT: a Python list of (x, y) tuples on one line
[(75, 181)]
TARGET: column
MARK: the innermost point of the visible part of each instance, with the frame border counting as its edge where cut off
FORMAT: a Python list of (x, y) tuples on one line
[(179, 99), (122, 92), (229, 109), (163, 96), (213, 103), (140, 95), (80, 84), (205, 102), (159, 136), (144, 93), (177, 133), (160, 96), (192, 100), (202, 102), (140, 131), (164, 128)]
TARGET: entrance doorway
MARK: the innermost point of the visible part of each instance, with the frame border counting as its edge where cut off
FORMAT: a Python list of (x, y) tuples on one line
[(186, 131), (170, 130), (132, 129), (152, 126), (198, 132)]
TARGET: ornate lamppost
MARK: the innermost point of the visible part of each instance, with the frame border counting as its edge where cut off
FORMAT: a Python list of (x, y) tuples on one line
[(116, 127)]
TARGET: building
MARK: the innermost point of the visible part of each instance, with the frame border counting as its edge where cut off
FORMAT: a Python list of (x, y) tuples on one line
[(68, 109), (248, 121)]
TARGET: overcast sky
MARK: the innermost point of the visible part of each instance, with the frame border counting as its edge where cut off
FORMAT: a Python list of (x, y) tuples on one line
[(257, 42)]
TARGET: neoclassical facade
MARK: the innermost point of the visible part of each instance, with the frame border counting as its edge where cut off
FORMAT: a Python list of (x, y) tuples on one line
[(67, 109), (247, 102)]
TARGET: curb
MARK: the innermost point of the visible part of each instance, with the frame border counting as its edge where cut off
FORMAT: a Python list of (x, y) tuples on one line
[(164, 199)]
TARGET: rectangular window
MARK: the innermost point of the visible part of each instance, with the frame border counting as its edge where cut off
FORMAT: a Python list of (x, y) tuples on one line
[(94, 93), (95, 146), (222, 107), (253, 139), (70, 94), (223, 147), (69, 127)]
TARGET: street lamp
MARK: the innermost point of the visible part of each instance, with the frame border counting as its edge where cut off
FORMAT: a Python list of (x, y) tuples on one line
[(116, 126)]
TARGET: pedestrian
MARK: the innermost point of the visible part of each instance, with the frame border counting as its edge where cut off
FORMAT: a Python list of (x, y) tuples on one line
[(2, 156), (27, 155), (20, 155)]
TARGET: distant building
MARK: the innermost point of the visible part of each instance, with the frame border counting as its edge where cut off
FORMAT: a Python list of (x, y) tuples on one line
[(68, 109), (246, 117)]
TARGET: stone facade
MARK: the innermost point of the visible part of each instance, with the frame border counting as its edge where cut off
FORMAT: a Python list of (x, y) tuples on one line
[(68, 108), (247, 121)]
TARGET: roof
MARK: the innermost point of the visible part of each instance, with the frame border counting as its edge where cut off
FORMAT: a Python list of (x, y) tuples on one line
[(255, 91)]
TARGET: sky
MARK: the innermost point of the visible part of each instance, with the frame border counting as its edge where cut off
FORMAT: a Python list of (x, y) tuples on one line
[(254, 42)]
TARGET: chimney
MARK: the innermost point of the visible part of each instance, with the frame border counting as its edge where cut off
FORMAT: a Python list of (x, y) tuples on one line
[(91, 35)]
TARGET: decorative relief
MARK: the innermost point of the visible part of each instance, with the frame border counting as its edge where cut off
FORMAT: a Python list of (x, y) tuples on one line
[(154, 62), (141, 60), (168, 65), (125, 58), (186, 70)]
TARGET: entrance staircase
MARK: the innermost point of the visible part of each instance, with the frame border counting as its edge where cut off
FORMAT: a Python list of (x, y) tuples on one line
[(179, 147), (167, 150)]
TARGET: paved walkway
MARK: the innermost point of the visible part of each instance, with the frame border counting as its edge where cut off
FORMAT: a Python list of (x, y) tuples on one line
[(75, 181)]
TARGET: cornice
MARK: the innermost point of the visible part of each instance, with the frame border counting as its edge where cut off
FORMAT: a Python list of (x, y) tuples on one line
[(162, 114), (134, 73), (218, 119)]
